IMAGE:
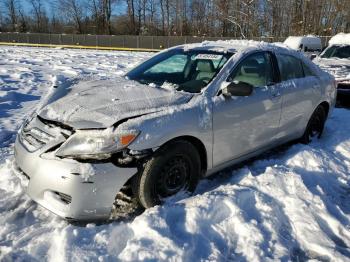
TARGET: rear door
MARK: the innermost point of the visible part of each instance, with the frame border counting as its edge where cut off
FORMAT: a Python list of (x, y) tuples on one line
[(244, 124), (301, 91)]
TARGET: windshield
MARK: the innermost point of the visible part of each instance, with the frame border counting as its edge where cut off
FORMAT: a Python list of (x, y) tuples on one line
[(337, 51), (189, 71)]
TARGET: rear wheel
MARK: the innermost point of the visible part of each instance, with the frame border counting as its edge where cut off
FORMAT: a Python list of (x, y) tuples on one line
[(173, 168), (315, 126)]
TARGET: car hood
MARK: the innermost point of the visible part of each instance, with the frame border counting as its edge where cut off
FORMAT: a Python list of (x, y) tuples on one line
[(102, 103), (339, 68)]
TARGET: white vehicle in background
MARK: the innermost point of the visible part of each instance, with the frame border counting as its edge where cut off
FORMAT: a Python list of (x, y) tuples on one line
[(308, 43), (335, 59)]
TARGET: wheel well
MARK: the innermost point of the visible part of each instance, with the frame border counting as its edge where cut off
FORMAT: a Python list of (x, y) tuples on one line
[(325, 105), (198, 145)]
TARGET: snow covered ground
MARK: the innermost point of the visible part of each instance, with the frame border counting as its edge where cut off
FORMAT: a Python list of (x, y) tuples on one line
[(289, 204)]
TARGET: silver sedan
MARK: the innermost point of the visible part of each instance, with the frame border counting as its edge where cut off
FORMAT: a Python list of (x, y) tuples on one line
[(184, 114)]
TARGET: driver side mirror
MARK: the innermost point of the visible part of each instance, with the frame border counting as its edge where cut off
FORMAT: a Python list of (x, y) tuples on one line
[(237, 89)]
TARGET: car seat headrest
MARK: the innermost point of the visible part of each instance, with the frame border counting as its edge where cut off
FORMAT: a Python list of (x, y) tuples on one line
[(205, 65)]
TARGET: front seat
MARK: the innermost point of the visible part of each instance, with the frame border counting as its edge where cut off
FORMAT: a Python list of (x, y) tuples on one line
[(204, 70), (251, 73)]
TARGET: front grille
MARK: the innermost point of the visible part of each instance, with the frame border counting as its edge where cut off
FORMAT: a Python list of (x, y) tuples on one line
[(64, 197), (36, 133), (35, 138)]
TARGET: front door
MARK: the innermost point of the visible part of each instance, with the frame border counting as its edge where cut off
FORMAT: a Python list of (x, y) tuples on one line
[(244, 124)]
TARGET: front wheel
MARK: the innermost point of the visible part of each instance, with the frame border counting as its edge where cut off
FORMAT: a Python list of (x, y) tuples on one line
[(173, 168), (314, 128)]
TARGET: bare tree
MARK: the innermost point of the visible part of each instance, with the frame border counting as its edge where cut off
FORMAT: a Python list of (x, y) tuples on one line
[(11, 8), (39, 15), (101, 13), (235, 18), (131, 15), (74, 10)]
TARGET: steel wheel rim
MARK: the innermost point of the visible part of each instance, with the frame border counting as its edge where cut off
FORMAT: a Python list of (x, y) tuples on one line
[(315, 128), (173, 177)]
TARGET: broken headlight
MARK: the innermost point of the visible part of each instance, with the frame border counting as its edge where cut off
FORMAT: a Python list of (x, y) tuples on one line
[(96, 144)]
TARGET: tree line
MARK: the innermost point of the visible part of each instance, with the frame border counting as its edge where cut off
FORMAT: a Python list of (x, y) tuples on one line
[(236, 18)]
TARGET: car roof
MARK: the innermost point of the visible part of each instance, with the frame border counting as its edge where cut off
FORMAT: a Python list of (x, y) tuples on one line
[(245, 47), (236, 46)]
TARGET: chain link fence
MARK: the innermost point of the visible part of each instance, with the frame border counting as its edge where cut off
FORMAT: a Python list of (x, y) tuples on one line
[(120, 41)]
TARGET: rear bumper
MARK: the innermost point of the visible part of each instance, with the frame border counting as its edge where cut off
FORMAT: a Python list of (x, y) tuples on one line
[(62, 187)]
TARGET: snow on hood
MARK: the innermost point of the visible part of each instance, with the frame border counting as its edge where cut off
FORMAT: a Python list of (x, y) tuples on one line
[(339, 68), (102, 103)]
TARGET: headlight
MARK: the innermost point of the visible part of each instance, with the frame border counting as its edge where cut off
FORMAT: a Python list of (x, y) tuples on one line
[(96, 144)]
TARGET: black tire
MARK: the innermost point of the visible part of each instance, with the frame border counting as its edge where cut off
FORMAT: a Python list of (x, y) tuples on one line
[(173, 168), (315, 126)]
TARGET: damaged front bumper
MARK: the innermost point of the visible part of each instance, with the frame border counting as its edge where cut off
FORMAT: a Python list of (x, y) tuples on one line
[(60, 185)]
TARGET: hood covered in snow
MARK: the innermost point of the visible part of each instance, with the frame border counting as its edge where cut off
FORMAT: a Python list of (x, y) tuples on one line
[(339, 68), (102, 103)]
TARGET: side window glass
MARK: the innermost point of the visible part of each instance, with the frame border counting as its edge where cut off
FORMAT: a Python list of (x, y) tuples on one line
[(307, 70), (255, 70), (290, 67)]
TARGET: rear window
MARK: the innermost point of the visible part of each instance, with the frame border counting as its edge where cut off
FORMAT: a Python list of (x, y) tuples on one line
[(290, 67)]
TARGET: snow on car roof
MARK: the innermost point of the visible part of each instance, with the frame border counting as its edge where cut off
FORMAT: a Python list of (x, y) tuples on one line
[(241, 46), (294, 42), (234, 46), (302, 37), (340, 39)]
